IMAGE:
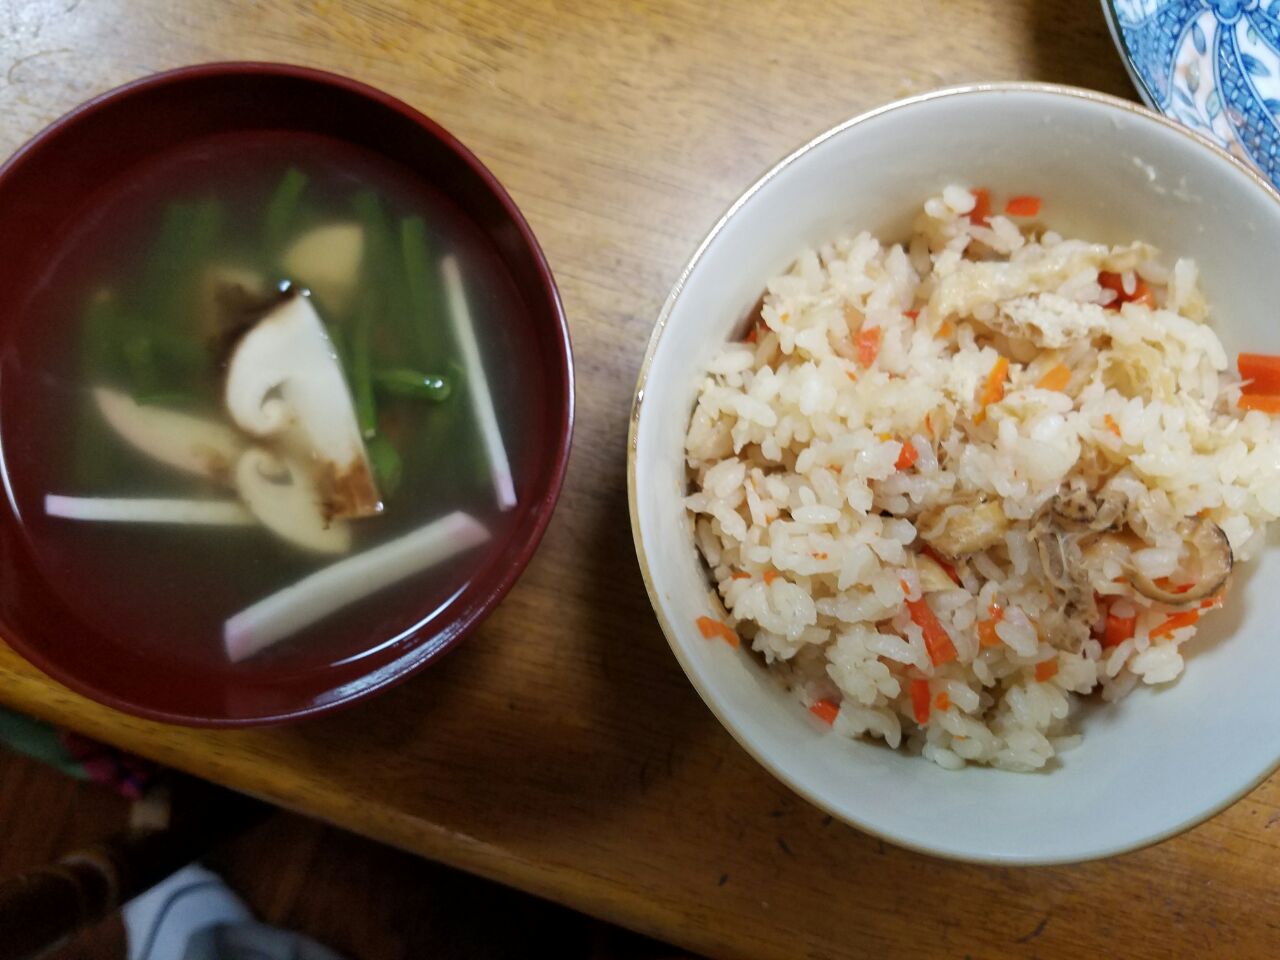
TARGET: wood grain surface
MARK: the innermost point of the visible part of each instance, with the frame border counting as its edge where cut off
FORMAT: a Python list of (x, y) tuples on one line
[(561, 750)]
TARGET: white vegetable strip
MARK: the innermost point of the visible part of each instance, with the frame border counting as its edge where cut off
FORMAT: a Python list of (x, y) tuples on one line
[(285, 613), (478, 384), (229, 513)]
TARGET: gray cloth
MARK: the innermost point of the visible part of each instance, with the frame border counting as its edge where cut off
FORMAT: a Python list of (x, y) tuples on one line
[(253, 941)]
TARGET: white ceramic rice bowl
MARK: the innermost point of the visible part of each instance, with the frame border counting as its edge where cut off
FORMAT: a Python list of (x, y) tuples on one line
[(1150, 766)]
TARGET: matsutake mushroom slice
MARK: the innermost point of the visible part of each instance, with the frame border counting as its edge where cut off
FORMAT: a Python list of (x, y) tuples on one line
[(284, 382), (189, 443), (283, 497), (1210, 565), (326, 260)]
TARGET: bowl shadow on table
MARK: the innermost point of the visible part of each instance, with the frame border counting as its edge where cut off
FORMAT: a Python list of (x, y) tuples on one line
[(1071, 44), (591, 724)]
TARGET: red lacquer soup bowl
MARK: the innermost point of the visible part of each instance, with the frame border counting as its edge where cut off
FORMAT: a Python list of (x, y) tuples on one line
[(140, 616)]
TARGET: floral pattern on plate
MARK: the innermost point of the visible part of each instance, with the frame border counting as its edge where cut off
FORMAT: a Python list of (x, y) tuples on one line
[(1213, 65)]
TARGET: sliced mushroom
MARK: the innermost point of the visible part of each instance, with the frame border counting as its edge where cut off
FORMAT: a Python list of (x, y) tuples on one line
[(1078, 511), (284, 381), (176, 439), (327, 260), (1210, 566), (229, 294), (933, 576), (281, 495), (982, 526)]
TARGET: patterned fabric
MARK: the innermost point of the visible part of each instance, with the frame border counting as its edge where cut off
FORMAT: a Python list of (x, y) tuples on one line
[(75, 755), (1213, 65)]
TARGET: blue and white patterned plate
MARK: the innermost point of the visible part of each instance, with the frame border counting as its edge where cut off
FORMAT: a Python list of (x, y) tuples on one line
[(1211, 64)]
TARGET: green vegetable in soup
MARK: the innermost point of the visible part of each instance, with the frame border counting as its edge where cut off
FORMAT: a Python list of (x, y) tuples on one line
[(388, 468), (282, 212), (413, 385)]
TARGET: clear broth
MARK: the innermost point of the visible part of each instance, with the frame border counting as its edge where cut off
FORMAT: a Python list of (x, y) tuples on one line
[(167, 590)]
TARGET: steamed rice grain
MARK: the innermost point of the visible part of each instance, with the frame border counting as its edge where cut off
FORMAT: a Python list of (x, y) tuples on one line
[(867, 429)]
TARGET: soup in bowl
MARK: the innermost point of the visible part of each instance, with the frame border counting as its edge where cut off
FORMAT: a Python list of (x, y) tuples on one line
[(285, 397)]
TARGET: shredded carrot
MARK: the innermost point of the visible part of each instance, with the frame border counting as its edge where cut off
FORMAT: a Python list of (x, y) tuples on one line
[(1210, 602), (946, 329), (1260, 371), (770, 576), (714, 628), (1056, 379), (1166, 583), (1175, 622), (920, 701), (751, 335), (911, 314), (1117, 630), (1115, 283), (1266, 402), (1110, 421), (868, 343), (908, 456), (1143, 294), (993, 388), (942, 701), (981, 212), (941, 561), (1025, 206), (851, 375), (741, 575), (928, 424), (936, 639), (825, 710), (1046, 670), (987, 636)]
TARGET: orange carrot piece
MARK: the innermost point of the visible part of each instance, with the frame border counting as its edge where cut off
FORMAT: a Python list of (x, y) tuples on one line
[(1142, 294), (1175, 622), (714, 628), (770, 576), (868, 344), (751, 336), (741, 575), (1117, 630), (1115, 283), (936, 639), (920, 701), (1056, 379), (981, 212), (1025, 206), (825, 710), (993, 388), (987, 636), (908, 456), (1046, 670), (1262, 372), (1266, 402), (946, 329), (942, 701), (1110, 421), (911, 314)]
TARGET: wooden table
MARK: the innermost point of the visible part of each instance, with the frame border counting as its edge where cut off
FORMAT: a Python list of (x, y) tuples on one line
[(561, 750)]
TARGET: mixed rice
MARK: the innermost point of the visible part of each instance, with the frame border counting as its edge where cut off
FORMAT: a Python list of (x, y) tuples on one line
[(942, 487)]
